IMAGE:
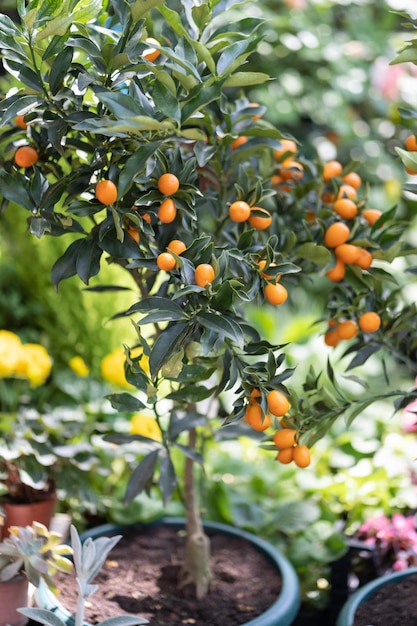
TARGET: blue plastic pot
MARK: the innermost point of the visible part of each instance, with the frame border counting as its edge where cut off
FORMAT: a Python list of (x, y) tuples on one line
[(281, 613), (346, 616)]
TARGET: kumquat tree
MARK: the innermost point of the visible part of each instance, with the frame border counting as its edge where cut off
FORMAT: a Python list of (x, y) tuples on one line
[(128, 129)]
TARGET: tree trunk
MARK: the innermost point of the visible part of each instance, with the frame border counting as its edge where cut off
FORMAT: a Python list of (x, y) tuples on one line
[(197, 549)]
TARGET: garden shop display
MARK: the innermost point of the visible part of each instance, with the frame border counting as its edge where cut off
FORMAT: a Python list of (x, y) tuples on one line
[(29, 554), (128, 128)]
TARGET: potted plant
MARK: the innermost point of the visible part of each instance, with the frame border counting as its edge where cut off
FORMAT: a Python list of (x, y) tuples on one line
[(88, 558), (29, 491), (132, 133), (27, 555)]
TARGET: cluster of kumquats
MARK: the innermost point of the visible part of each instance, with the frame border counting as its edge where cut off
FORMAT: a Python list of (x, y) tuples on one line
[(285, 437)]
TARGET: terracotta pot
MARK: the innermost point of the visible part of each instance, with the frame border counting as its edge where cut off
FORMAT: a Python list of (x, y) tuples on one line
[(13, 596), (25, 514), (347, 614), (281, 613)]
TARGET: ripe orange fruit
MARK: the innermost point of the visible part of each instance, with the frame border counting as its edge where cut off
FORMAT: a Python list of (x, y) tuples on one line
[(410, 171), (167, 212), (20, 122), (345, 208), (106, 192), (254, 105), (288, 145), (177, 246), (151, 53), (327, 197), (364, 260), (277, 403), (26, 156), (285, 455), (134, 233), (369, 322), (204, 274), (168, 184), (346, 191), (347, 252), (285, 438), (411, 143), (331, 169), (260, 222), (262, 263), (256, 419), (337, 273), (239, 141), (336, 234), (146, 218), (165, 261), (255, 393), (239, 211), (353, 179), (302, 457), (275, 293), (347, 329), (291, 170), (371, 215), (331, 338)]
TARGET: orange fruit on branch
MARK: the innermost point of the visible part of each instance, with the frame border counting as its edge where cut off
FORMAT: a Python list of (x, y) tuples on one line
[(106, 192), (352, 179), (152, 53), (337, 273), (168, 184), (371, 215), (347, 252), (260, 222), (331, 169), (277, 403), (25, 156), (369, 322), (239, 211), (239, 141), (345, 208), (204, 274), (285, 438), (336, 234), (177, 246), (20, 122), (347, 329), (167, 212), (165, 261), (411, 143), (285, 455), (302, 457), (287, 146), (256, 418), (276, 294)]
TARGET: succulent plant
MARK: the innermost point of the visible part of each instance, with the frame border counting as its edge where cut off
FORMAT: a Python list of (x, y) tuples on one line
[(89, 557), (35, 552)]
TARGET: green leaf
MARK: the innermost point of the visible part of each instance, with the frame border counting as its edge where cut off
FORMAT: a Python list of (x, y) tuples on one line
[(135, 165), (20, 106), (26, 75), (141, 7), (166, 102), (203, 96), (120, 104), (223, 326), (59, 68), (231, 54), (43, 616), (169, 342), (193, 393), (66, 265), (408, 158), (125, 402), (173, 19), (141, 477), (156, 304), (167, 479), (243, 79), (315, 253), (13, 189), (88, 260)]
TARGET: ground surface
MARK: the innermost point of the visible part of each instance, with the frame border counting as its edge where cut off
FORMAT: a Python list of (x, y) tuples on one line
[(141, 576)]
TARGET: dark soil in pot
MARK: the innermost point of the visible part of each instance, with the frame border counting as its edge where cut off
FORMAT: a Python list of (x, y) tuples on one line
[(394, 604), (141, 578)]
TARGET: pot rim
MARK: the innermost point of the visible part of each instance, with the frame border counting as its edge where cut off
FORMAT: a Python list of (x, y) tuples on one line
[(346, 616), (286, 605)]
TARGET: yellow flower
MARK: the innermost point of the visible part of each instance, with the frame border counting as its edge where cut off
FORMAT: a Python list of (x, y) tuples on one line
[(34, 363), (10, 346), (112, 368), (145, 425), (79, 366)]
